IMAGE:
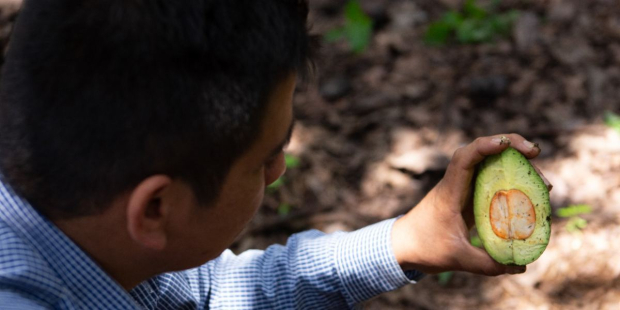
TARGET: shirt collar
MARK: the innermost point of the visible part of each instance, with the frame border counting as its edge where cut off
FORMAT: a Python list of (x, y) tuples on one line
[(88, 285)]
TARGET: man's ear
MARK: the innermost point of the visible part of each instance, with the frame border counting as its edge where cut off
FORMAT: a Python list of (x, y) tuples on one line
[(147, 216)]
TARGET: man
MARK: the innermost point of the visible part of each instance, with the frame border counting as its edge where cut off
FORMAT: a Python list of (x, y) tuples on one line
[(137, 138)]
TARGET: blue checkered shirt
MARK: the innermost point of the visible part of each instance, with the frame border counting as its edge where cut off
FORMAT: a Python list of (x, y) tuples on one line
[(41, 268)]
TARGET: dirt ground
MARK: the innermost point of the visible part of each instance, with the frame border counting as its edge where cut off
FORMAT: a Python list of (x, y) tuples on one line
[(376, 131)]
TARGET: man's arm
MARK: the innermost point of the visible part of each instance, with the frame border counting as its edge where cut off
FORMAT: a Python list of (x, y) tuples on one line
[(313, 270), (11, 300)]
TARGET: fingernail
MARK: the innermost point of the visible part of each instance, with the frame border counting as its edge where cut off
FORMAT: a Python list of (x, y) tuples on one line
[(515, 269), (501, 140), (529, 145)]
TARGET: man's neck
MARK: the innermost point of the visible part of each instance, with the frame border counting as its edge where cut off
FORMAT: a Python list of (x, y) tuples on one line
[(105, 239)]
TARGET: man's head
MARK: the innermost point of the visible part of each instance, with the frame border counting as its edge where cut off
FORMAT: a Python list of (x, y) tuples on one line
[(99, 96)]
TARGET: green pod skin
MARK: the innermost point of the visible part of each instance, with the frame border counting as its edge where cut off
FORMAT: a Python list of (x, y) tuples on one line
[(508, 171)]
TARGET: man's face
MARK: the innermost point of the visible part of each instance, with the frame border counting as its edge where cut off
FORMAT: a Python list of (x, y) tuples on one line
[(208, 231)]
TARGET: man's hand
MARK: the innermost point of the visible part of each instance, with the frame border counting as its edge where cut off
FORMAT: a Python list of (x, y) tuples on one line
[(434, 236)]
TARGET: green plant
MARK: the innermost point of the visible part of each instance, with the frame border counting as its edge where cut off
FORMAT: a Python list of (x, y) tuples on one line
[(444, 277), (573, 210), (290, 161), (357, 30), (575, 223), (612, 120), (474, 24), (277, 184), (284, 209)]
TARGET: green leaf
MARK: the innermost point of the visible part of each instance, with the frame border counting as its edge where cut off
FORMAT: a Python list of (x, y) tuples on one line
[(612, 120), (580, 223), (503, 23), (358, 27), (474, 31), (277, 184), (284, 209), (444, 277), (474, 25), (453, 19), (574, 210), (576, 224), (437, 33), (353, 12), (291, 161), (358, 36), (472, 10)]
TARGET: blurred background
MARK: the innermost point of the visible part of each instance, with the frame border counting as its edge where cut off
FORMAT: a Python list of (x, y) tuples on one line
[(401, 84)]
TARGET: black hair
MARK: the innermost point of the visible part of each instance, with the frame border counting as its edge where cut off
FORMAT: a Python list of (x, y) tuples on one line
[(98, 95)]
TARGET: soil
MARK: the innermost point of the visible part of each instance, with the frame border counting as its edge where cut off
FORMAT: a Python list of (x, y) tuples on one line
[(376, 132)]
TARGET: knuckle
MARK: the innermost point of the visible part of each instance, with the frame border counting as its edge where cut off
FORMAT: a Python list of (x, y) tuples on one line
[(458, 153), (457, 158)]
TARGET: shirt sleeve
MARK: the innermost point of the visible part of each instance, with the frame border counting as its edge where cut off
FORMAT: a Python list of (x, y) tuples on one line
[(313, 270), (10, 300)]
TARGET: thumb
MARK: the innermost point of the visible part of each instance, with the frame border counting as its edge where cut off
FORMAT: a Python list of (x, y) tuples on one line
[(478, 261)]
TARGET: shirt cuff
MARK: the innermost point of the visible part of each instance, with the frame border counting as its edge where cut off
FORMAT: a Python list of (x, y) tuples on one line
[(366, 263)]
